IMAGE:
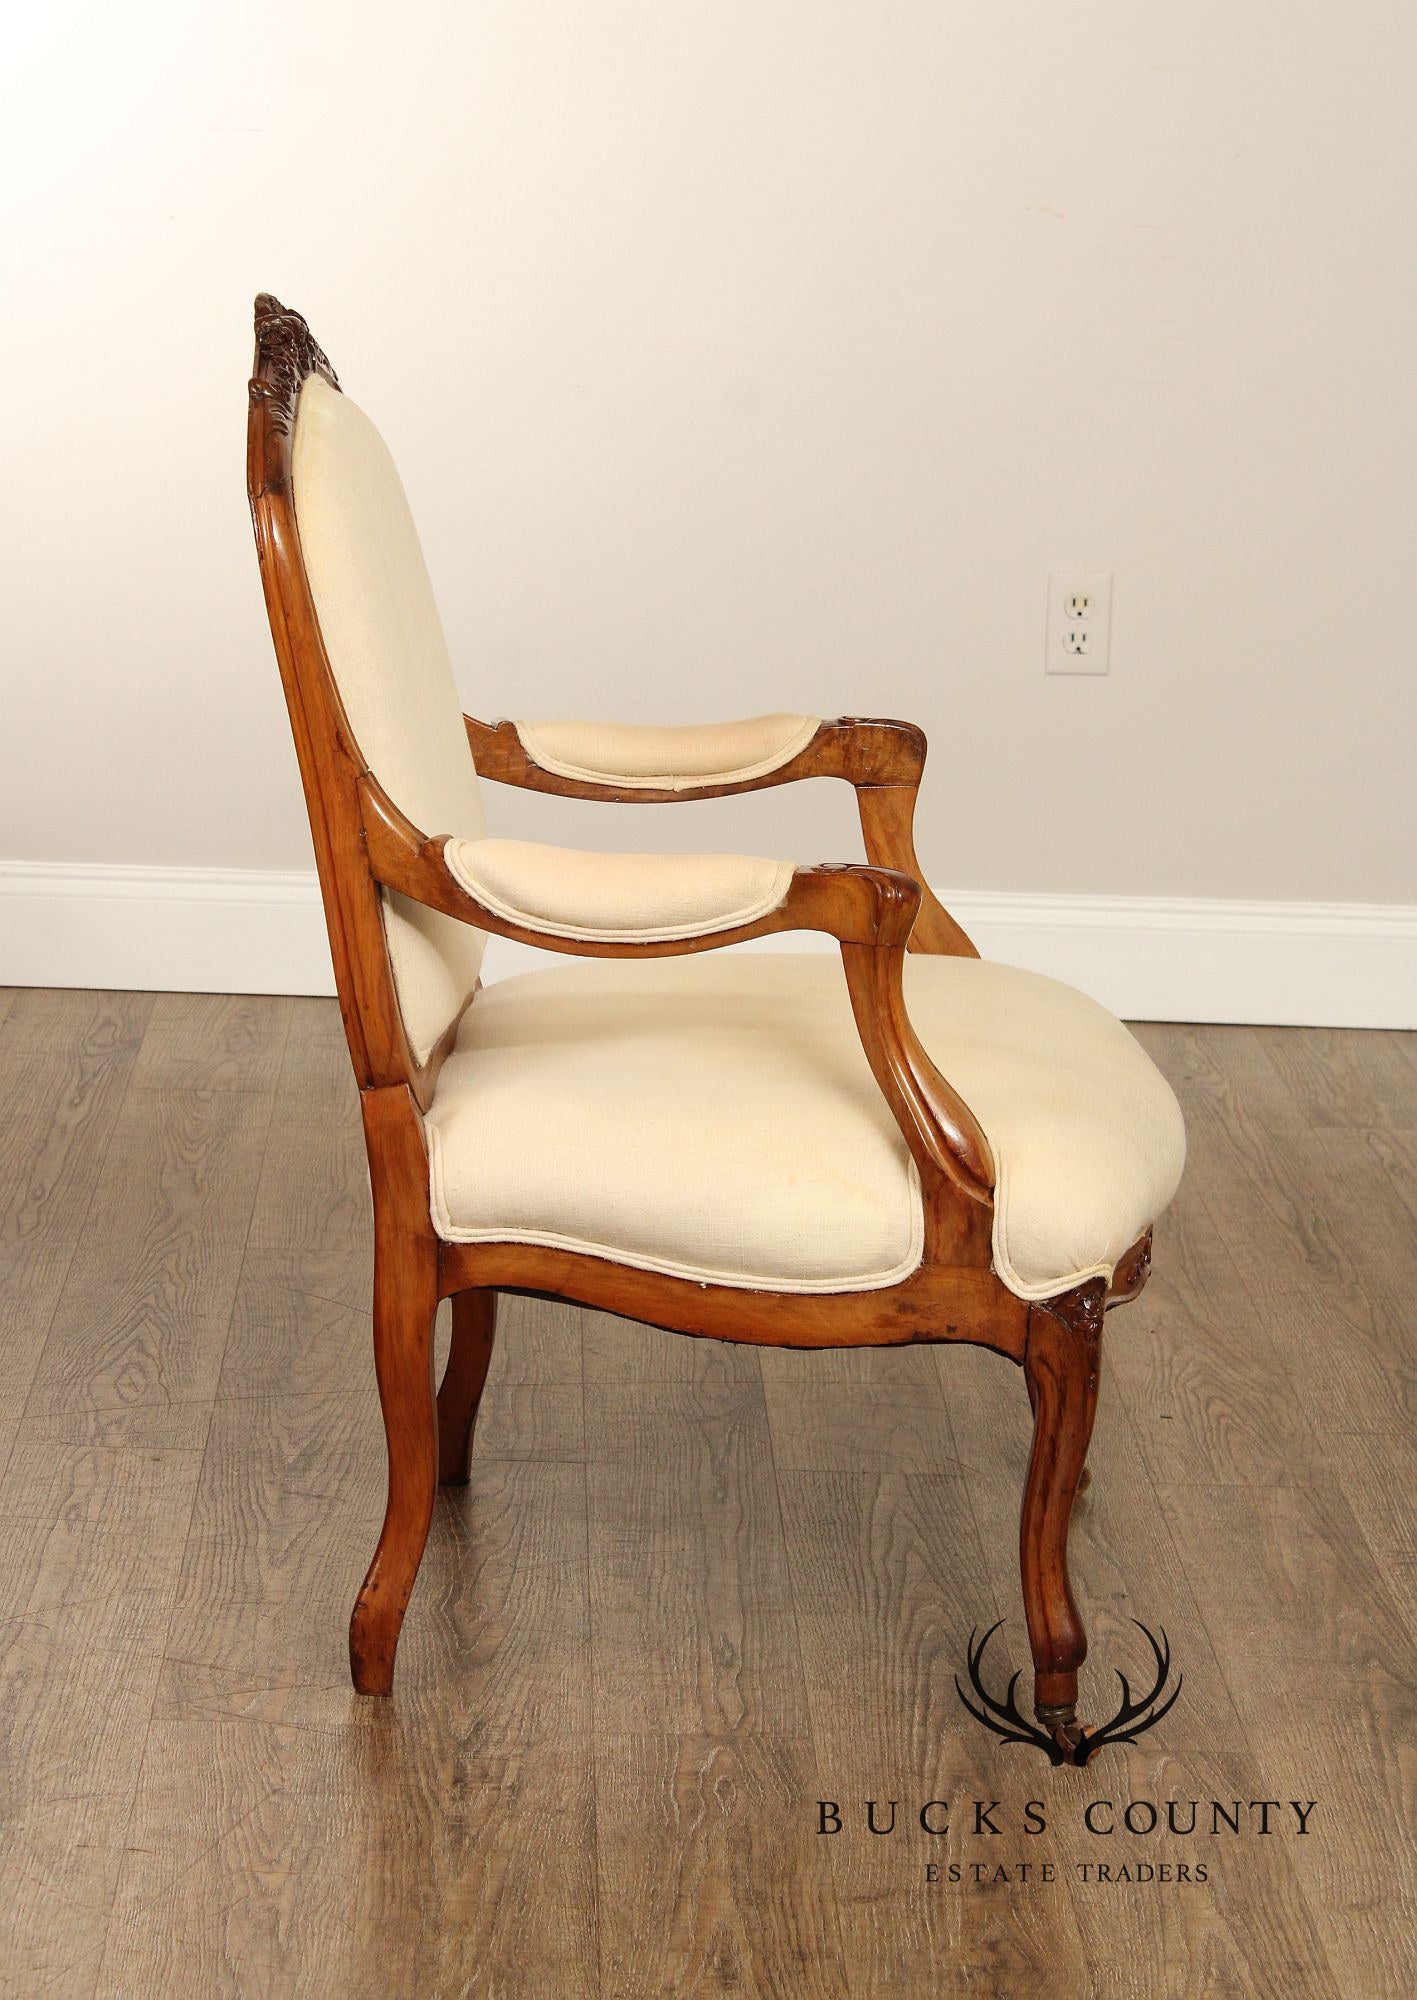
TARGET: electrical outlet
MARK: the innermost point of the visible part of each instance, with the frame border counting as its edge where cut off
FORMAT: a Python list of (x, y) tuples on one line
[(1079, 631)]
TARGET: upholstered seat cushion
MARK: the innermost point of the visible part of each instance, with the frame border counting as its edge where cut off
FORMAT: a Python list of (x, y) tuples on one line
[(716, 1119)]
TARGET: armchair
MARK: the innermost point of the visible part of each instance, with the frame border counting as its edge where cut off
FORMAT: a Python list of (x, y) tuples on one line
[(742, 1146)]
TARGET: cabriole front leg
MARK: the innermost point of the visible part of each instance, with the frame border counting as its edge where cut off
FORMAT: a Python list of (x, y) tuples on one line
[(405, 1308), (1061, 1362)]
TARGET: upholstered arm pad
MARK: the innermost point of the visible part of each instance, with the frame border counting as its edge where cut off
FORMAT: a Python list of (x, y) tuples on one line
[(631, 764), (618, 898), (667, 760), (632, 904)]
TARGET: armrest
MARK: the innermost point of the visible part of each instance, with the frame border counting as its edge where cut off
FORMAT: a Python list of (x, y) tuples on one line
[(617, 898), (630, 765), (865, 906), (643, 759), (869, 911)]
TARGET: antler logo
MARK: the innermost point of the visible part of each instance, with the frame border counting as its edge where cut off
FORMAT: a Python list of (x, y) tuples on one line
[(1131, 1720)]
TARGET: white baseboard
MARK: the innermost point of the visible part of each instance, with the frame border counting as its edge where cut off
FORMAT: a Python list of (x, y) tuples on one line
[(1156, 958), (163, 930)]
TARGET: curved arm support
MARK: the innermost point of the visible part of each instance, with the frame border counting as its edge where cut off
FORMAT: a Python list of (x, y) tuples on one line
[(869, 911), (941, 1131), (888, 828)]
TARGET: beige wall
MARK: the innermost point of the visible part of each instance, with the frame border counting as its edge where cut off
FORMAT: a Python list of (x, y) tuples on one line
[(741, 357)]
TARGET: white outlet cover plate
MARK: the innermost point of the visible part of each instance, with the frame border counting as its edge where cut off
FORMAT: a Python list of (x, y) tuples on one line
[(1079, 641)]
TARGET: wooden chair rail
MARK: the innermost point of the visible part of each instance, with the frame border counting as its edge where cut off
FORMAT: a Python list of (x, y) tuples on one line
[(935, 1303)]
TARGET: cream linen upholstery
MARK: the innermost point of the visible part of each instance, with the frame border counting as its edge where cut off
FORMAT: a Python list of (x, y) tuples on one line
[(569, 893), (716, 1119), (667, 760), (386, 647)]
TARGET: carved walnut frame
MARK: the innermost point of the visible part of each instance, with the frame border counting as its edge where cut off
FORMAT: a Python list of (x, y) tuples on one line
[(876, 913)]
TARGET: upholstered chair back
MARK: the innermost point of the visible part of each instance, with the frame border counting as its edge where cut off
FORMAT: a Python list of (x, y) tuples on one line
[(390, 661)]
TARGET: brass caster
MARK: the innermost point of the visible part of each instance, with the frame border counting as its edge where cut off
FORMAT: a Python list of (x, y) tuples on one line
[(1073, 1738)]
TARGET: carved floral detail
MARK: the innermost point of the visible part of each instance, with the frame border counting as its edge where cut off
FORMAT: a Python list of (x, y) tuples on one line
[(1081, 1310), (286, 352)]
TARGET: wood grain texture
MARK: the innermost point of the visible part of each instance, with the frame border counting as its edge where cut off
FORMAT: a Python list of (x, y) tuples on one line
[(1337, 1080), (1255, 1933), (1309, 1226), (690, 1589), (144, 1312), (887, 1583), (65, 1063), (91, 1547), (1205, 1380), (689, 1585), (738, 1901), (1331, 1643)]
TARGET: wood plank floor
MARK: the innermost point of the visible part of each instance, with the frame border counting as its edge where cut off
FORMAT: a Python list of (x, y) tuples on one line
[(692, 1589)]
